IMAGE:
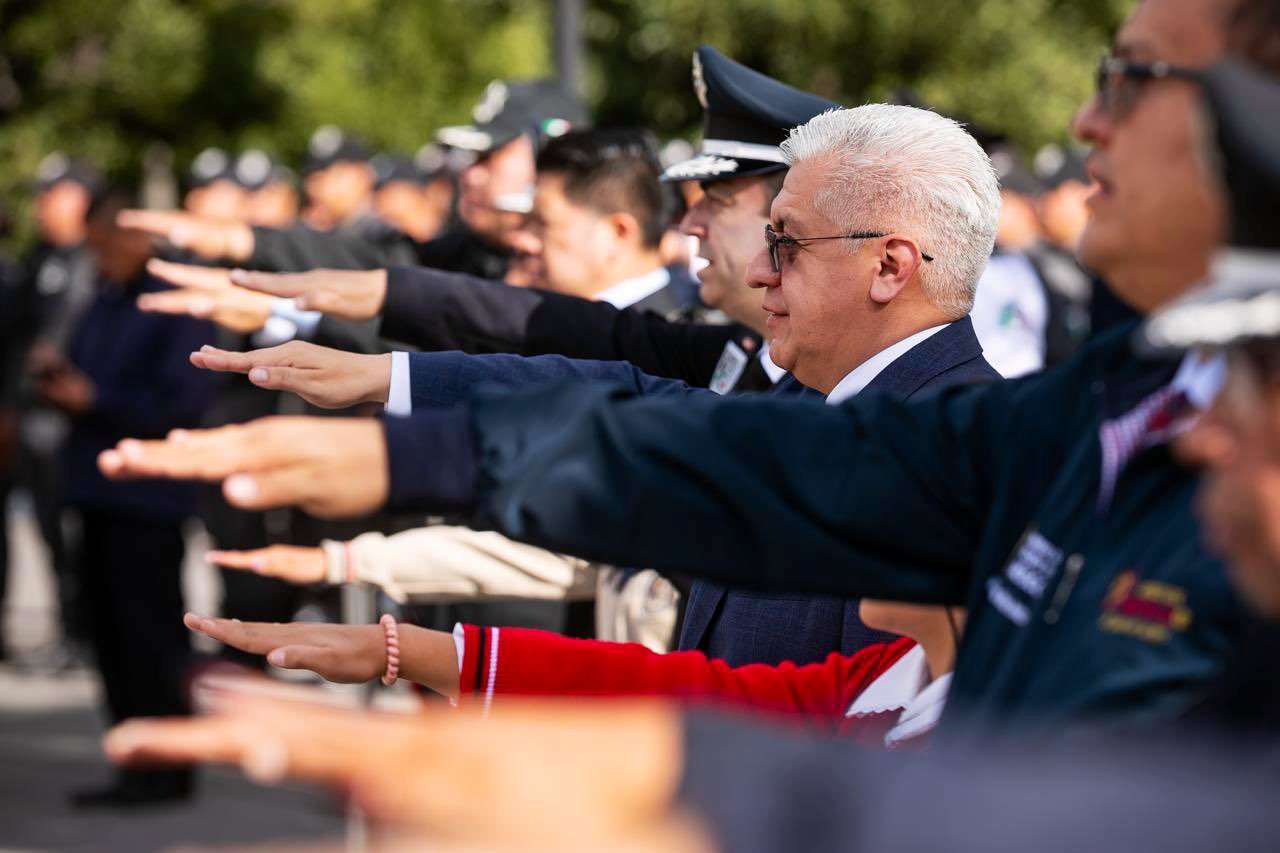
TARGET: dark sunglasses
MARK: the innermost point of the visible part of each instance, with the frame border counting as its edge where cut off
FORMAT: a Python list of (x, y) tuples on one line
[(1119, 82), (772, 240)]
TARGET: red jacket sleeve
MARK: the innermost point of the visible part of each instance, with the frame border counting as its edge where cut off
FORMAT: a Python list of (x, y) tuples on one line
[(522, 662)]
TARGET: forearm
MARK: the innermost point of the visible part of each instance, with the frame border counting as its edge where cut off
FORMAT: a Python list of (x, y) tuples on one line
[(767, 493), (429, 658), (446, 378), (523, 662), (448, 563)]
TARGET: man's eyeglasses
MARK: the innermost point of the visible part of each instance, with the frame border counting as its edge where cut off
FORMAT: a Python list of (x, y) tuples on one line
[(772, 240), (1119, 82)]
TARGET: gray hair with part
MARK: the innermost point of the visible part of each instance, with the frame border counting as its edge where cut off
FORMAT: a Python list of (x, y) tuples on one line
[(910, 170)]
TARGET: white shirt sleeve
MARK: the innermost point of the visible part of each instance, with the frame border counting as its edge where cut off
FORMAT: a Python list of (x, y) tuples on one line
[(399, 396)]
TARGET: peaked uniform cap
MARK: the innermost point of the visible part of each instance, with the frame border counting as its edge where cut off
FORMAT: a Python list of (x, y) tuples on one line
[(746, 117), (1240, 300), (540, 109)]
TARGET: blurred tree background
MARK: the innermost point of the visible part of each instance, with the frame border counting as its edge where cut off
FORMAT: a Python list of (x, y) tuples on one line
[(108, 80)]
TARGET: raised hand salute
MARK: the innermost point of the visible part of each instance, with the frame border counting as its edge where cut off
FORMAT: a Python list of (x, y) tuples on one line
[(330, 467), (325, 377), (208, 294), (346, 294), (207, 237)]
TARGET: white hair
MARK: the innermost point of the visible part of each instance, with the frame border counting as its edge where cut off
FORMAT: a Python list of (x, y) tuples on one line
[(910, 170)]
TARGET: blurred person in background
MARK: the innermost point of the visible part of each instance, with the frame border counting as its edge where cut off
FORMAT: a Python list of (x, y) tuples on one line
[(1011, 309), (338, 180), (216, 191), (54, 289), (513, 121), (124, 373), (401, 199), (273, 199)]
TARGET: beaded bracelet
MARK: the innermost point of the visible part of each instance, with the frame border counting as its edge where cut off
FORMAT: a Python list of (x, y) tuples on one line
[(388, 624)]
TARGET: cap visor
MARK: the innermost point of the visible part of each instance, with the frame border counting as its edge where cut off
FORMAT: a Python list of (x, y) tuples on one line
[(708, 167), (1238, 302)]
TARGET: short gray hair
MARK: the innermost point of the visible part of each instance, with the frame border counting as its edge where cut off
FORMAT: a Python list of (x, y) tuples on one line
[(898, 167)]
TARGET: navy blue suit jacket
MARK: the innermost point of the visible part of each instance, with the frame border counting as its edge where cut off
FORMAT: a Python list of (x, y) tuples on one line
[(741, 627)]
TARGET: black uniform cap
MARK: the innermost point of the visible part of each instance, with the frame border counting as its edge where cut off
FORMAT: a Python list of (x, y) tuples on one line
[(541, 109), (1240, 301), (210, 165), (330, 145), (254, 169), (57, 167), (746, 116), (389, 168)]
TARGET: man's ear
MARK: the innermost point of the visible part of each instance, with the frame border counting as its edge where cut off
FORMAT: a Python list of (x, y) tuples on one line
[(624, 226), (899, 260)]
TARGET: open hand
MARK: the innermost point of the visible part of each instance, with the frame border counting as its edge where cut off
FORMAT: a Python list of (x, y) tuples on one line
[(329, 467), (292, 563), (325, 377), (350, 295), (206, 237), (206, 293)]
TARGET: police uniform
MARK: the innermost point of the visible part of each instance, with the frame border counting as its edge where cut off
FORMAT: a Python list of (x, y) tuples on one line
[(539, 109), (52, 291), (746, 117)]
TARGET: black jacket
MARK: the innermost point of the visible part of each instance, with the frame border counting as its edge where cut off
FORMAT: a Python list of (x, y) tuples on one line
[(434, 310)]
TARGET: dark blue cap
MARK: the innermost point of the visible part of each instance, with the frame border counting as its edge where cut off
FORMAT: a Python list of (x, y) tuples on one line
[(746, 116)]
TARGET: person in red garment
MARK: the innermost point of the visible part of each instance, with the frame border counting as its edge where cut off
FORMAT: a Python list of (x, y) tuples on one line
[(886, 696)]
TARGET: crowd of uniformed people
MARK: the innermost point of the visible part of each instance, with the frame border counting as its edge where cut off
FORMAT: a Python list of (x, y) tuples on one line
[(851, 483)]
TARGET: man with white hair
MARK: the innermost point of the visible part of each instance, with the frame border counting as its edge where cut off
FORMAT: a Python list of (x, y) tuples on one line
[(881, 313)]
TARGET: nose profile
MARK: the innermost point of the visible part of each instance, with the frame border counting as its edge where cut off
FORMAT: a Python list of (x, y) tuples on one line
[(760, 271)]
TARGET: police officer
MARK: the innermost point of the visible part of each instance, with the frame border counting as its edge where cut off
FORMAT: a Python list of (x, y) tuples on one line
[(54, 289), (513, 120)]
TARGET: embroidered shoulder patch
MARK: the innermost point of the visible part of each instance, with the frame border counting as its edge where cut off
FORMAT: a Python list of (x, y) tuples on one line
[(1147, 610), (733, 361)]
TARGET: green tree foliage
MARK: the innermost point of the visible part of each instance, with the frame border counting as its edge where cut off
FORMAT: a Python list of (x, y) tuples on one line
[(107, 80)]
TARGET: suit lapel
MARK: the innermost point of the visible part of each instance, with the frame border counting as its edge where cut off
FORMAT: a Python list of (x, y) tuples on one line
[(936, 354), (704, 598)]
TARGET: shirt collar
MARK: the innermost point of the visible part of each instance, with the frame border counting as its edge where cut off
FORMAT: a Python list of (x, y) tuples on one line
[(771, 370), (894, 689), (628, 292), (1200, 377), (862, 375), (905, 687)]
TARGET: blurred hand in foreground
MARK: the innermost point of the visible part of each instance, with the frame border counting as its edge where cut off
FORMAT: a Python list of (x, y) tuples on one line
[(292, 563), (347, 294), (206, 293), (213, 239), (538, 773), (329, 467), (325, 377)]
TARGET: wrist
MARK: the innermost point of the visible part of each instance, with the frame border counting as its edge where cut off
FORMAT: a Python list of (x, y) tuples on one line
[(378, 373), (377, 291), (239, 242)]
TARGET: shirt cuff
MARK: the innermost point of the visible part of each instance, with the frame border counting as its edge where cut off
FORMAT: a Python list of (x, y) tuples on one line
[(400, 395), (460, 643), (305, 321), (431, 460)]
